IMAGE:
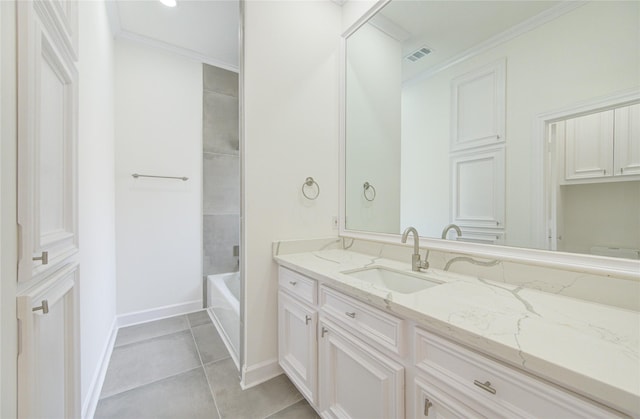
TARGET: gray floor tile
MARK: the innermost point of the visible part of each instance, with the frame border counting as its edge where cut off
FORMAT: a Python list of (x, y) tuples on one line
[(209, 343), (186, 395), (150, 330), (198, 317), (300, 410), (150, 360), (257, 402)]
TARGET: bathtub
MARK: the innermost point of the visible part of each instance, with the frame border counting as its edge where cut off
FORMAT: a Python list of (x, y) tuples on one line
[(223, 305)]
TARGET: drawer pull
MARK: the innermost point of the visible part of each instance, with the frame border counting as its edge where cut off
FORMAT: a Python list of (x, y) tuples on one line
[(485, 386), (324, 330), (44, 257), (427, 405), (44, 307), (293, 283), (351, 314), (307, 319)]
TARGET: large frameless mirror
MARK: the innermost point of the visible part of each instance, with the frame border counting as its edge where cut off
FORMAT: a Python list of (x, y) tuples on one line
[(511, 123)]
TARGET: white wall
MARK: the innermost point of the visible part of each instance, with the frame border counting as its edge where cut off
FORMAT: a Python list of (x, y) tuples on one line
[(589, 204), (373, 89), (158, 221), (8, 218), (558, 64), (290, 127), (96, 192)]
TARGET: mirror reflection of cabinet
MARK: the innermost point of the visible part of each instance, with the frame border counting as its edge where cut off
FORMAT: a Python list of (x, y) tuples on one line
[(603, 144), (626, 152), (478, 191), (478, 153)]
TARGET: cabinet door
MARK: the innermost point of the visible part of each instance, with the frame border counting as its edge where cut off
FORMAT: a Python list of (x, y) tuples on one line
[(47, 131), (297, 344), (478, 107), (48, 356), (589, 146), (478, 189), (431, 402), (627, 141), (356, 381)]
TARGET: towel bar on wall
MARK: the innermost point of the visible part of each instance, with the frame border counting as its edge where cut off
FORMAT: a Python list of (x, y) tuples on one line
[(183, 178)]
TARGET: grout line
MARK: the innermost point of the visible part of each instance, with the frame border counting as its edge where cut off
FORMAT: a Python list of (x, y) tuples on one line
[(286, 407), (206, 377), (152, 382)]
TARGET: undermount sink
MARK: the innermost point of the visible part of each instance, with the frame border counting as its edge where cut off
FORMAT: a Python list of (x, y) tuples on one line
[(392, 280)]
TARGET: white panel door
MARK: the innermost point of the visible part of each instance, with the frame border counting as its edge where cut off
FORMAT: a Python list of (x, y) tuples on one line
[(356, 381), (47, 131), (297, 344), (48, 354), (47, 293), (589, 146), (478, 189), (626, 159), (478, 107)]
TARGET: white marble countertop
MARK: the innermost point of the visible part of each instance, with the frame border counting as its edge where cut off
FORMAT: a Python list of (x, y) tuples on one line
[(587, 347)]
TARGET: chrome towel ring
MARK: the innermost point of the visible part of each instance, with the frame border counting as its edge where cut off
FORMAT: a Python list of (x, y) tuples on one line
[(366, 187), (309, 182)]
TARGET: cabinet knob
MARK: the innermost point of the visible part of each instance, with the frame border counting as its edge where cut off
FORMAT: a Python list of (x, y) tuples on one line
[(44, 307), (351, 314), (485, 386), (621, 170), (293, 283), (307, 319), (427, 405), (44, 257)]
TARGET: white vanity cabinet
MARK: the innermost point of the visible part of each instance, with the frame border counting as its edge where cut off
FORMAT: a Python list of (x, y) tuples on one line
[(456, 377), (356, 381), (297, 325), (603, 144), (352, 360), (360, 364)]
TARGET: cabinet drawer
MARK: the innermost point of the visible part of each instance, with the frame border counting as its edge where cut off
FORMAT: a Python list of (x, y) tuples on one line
[(298, 285), (504, 390), (363, 320)]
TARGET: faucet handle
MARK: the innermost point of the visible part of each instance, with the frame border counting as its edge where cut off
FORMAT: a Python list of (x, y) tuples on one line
[(425, 263)]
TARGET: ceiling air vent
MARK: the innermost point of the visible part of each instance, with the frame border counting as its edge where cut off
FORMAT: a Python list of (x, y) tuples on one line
[(418, 54)]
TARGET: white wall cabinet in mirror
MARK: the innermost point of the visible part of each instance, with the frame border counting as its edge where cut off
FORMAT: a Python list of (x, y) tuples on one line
[(589, 146), (627, 140), (478, 107), (496, 75), (603, 145), (478, 190)]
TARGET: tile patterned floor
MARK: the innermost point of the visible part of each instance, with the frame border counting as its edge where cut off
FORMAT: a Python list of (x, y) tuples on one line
[(179, 368)]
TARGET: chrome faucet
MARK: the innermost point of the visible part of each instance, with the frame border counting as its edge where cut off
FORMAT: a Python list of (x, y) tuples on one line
[(416, 263), (449, 227)]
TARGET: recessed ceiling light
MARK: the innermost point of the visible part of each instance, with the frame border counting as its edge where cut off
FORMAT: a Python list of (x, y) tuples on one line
[(169, 3)]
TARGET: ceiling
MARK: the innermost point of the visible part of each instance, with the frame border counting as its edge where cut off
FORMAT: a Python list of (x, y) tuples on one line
[(453, 28), (204, 30)]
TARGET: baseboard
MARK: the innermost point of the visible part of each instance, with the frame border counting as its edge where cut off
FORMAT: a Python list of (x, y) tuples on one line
[(158, 313), (93, 395), (259, 373)]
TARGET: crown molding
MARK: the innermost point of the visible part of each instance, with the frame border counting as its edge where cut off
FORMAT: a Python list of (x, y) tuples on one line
[(120, 33)]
